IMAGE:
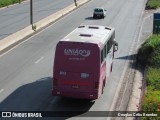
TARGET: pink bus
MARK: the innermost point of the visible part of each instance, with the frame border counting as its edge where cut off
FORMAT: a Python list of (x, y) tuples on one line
[(83, 62)]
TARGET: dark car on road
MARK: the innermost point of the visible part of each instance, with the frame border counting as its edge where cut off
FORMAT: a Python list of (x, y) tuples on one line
[(99, 12)]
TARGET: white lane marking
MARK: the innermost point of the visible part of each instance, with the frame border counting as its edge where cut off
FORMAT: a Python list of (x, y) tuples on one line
[(141, 28), (39, 60), (1, 90)]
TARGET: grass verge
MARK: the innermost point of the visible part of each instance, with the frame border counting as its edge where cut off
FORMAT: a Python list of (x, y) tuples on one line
[(153, 4), (149, 55), (4, 3)]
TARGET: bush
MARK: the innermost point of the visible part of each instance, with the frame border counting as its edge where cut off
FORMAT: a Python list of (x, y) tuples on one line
[(153, 79), (151, 101), (149, 53), (153, 4)]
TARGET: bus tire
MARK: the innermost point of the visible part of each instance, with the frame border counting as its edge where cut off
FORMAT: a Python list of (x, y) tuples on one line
[(103, 87), (104, 81), (111, 67)]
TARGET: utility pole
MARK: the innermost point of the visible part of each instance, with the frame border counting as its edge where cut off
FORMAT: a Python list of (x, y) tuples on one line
[(31, 15), (31, 12), (75, 1)]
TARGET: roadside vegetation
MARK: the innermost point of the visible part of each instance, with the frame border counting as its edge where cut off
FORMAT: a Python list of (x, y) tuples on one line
[(153, 4), (149, 56), (4, 3)]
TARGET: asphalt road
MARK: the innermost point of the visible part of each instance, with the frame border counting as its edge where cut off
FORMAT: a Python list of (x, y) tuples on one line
[(26, 71), (17, 17)]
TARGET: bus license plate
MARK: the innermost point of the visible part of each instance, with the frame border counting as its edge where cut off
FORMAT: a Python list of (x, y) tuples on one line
[(75, 86)]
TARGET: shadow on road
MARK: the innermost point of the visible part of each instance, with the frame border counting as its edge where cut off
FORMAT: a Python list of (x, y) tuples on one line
[(37, 96), (28, 97), (91, 18), (128, 57), (132, 59)]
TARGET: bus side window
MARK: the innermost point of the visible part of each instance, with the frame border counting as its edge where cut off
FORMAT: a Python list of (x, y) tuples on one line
[(109, 45), (102, 55), (105, 50)]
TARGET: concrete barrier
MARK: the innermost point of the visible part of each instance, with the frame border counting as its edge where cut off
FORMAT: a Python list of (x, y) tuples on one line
[(16, 38)]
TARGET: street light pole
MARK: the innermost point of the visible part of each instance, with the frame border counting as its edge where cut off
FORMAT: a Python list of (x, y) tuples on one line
[(31, 12), (75, 1)]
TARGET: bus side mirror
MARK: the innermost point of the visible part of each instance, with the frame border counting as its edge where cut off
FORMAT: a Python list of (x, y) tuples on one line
[(115, 46)]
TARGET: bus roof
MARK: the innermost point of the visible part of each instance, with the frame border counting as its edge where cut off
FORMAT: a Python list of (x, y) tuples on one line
[(90, 34)]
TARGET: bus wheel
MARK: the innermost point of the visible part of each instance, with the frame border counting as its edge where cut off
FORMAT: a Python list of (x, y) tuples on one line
[(104, 82), (103, 88), (111, 67)]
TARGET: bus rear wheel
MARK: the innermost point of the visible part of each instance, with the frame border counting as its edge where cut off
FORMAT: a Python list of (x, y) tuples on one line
[(103, 86), (111, 67)]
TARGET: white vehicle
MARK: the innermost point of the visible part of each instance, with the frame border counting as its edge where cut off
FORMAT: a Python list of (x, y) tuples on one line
[(99, 12)]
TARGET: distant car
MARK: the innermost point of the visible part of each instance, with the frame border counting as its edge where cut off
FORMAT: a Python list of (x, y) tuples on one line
[(99, 12)]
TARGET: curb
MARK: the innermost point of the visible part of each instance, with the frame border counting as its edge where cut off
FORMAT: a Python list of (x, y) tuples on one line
[(135, 103), (136, 92), (17, 37)]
